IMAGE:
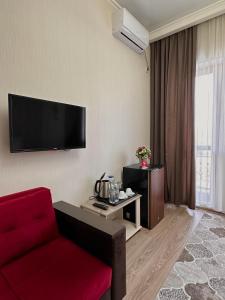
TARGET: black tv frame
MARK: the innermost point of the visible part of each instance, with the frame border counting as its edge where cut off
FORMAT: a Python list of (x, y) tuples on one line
[(13, 150)]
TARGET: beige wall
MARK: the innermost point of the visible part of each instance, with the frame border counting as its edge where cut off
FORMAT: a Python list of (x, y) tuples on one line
[(63, 50)]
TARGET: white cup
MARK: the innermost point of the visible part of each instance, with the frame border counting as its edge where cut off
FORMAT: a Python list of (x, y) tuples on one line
[(122, 195), (129, 192)]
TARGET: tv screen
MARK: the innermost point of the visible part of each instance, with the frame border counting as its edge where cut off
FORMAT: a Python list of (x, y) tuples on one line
[(37, 125)]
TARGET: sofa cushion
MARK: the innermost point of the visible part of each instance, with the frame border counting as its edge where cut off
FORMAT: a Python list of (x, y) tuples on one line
[(58, 270), (5, 292), (26, 221), (20, 194)]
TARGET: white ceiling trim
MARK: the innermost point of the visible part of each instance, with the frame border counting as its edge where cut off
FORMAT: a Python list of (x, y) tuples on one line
[(189, 20)]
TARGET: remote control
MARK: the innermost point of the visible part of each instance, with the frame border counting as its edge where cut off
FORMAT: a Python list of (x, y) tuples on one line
[(99, 205)]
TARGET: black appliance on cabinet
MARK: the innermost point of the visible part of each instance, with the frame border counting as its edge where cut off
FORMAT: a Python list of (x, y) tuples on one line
[(150, 184)]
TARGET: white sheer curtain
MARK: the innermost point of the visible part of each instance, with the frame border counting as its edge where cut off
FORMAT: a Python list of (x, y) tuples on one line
[(210, 114)]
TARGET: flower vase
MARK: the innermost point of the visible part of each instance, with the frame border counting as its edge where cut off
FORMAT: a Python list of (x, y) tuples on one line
[(143, 164)]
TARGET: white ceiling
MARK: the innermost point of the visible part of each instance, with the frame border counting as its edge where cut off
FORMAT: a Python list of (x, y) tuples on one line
[(155, 13)]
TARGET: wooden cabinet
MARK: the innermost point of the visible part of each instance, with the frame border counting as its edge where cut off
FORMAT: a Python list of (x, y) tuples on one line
[(150, 184)]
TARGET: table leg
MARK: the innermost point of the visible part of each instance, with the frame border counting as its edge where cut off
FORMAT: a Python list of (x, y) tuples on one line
[(137, 213)]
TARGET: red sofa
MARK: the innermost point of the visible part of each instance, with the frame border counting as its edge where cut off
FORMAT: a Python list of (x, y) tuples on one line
[(43, 254)]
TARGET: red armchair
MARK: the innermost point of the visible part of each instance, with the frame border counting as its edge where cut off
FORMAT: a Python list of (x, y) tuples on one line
[(61, 254)]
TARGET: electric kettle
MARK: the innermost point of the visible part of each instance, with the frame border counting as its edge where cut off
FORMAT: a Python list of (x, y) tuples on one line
[(102, 188)]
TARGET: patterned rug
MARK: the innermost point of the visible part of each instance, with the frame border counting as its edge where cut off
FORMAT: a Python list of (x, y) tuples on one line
[(199, 273)]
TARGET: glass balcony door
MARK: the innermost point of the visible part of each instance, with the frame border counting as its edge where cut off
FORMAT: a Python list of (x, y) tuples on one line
[(203, 138)]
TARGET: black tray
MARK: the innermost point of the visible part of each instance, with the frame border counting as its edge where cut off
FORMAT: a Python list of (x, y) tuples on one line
[(106, 201)]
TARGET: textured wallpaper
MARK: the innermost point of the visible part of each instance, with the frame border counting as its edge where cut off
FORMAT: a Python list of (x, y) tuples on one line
[(64, 51)]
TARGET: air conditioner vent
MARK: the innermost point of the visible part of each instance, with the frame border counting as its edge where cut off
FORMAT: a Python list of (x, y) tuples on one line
[(141, 49)]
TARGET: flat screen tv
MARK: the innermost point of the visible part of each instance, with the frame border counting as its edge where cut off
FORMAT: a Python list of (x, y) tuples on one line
[(37, 125)]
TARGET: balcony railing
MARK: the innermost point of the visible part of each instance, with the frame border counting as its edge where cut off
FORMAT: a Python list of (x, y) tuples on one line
[(203, 170)]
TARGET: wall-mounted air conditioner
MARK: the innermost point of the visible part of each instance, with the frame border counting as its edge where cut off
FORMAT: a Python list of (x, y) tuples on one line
[(129, 30)]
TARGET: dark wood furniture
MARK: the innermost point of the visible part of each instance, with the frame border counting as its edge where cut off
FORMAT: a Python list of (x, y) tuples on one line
[(150, 184), (102, 238)]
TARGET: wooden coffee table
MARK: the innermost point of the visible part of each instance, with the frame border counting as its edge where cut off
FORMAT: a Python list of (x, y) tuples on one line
[(116, 213)]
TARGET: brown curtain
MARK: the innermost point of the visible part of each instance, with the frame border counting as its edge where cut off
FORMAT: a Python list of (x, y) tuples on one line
[(173, 61)]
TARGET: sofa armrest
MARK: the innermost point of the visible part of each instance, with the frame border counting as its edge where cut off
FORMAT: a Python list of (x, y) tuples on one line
[(102, 238)]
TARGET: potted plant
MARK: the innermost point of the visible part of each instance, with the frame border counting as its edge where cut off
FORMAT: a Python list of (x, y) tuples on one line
[(143, 153)]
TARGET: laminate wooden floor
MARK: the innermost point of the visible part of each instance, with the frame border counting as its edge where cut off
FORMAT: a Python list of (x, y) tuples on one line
[(152, 253)]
